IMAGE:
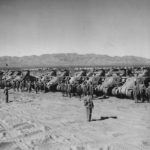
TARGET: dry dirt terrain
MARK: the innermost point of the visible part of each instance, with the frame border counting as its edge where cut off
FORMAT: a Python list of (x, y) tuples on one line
[(49, 121)]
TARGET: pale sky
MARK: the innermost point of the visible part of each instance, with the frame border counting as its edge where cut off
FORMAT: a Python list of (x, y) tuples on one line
[(112, 27)]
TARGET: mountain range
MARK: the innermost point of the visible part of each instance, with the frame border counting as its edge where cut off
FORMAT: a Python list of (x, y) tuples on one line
[(71, 59)]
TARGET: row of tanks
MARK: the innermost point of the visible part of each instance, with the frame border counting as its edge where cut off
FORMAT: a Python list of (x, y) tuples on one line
[(109, 81)]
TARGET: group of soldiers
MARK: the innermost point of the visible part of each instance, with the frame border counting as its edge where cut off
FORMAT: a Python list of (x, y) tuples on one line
[(141, 92), (28, 85), (70, 89), (23, 86)]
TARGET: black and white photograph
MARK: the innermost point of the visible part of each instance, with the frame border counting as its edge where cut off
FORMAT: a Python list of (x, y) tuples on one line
[(74, 74)]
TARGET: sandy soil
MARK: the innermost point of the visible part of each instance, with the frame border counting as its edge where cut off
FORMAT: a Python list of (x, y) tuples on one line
[(50, 121)]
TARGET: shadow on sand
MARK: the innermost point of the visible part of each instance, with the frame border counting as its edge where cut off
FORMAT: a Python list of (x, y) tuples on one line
[(103, 97), (104, 118), (10, 101)]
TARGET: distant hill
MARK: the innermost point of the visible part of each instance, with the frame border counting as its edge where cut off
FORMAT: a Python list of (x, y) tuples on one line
[(70, 59)]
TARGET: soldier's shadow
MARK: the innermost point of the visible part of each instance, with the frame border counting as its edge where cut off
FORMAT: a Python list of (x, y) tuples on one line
[(103, 97), (104, 118)]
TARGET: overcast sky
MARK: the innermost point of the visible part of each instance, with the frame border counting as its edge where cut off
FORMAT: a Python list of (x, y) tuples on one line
[(112, 27)]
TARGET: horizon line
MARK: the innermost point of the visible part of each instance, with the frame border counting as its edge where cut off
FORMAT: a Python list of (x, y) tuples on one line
[(73, 53)]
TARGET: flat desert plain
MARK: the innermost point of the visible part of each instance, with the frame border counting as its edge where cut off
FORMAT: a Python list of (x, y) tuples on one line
[(49, 121)]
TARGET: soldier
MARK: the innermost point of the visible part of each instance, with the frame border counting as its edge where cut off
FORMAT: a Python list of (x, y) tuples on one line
[(21, 86), (44, 84), (17, 85), (91, 89), (136, 91), (88, 103), (74, 88), (63, 88), (29, 86), (6, 94), (26, 85), (69, 89), (36, 86), (85, 88), (14, 86), (79, 90), (39, 85), (148, 92), (142, 92), (66, 89)]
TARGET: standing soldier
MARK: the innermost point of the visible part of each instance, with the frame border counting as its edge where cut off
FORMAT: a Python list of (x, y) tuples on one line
[(79, 91), (6, 93), (91, 89), (85, 88), (69, 90), (74, 87), (40, 85), (142, 92), (26, 85), (36, 86), (29, 86), (21, 86), (148, 92), (44, 84), (136, 91), (63, 88), (88, 103), (14, 86), (17, 85)]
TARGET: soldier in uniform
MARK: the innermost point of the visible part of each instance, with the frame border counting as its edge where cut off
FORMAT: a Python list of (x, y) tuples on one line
[(142, 92), (69, 89), (36, 86), (17, 85), (21, 86), (63, 88), (6, 94), (14, 86), (89, 105), (74, 88), (40, 85), (29, 86), (136, 92), (26, 85), (91, 89), (79, 91), (85, 89), (44, 84), (148, 92)]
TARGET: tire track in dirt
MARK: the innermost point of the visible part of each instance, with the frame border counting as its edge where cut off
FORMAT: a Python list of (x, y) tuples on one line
[(16, 141)]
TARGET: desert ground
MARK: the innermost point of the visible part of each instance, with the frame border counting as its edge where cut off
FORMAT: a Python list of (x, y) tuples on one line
[(49, 121)]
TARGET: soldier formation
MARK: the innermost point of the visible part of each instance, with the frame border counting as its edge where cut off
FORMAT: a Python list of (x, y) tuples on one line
[(28, 86)]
